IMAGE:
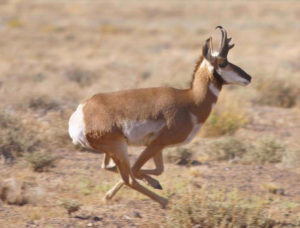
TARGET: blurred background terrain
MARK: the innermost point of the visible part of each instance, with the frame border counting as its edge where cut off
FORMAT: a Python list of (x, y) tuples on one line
[(242, 170)]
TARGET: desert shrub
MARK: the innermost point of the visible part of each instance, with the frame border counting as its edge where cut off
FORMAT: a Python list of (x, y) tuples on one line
[(40, 161), (214, 208), (278, 92), (43, 103), (78, 75), (225, 149), (265, 150), (70, 205), (223, 123), (179, 155), (16, 138)]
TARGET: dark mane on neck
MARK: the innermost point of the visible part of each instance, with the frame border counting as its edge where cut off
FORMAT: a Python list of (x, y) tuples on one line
[(196, 69)]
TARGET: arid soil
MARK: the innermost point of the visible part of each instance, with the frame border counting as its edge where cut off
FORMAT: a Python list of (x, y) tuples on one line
[(54, 54)]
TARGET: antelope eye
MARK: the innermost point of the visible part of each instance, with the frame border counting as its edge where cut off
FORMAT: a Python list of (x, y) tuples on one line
[(223, 64)]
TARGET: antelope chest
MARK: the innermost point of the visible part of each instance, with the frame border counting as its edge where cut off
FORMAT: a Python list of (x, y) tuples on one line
[(142, 132), (195, 129)]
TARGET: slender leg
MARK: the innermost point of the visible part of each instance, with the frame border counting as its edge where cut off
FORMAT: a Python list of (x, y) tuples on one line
[(159, 167), (108, 164), (122, 161), (110, 194), (156, 153), (158, 161)]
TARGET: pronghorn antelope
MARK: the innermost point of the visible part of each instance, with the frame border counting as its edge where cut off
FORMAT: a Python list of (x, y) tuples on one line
[(154, 117)]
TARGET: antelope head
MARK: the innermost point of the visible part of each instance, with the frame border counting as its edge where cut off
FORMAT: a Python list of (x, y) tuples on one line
[(223, 70)]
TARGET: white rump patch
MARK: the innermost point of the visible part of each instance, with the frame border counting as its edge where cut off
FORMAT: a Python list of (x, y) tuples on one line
[(77, 128), (214, 89), (232, 77), (141, 133)]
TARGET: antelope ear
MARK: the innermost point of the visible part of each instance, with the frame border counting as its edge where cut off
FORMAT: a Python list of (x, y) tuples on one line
[(206, 50)]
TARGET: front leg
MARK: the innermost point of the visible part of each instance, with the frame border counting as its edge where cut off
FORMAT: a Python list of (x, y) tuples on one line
[(156, 152)]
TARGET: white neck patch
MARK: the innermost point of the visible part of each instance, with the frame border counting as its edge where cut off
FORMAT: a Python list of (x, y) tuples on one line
[(214, 89), (208, 65)]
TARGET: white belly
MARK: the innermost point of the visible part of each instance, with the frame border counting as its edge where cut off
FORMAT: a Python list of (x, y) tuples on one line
[(141, 133), (77, 128)]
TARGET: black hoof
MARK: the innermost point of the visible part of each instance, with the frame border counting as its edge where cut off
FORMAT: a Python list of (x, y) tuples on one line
[(158, 186)]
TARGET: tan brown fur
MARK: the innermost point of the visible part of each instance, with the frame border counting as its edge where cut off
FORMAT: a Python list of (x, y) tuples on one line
[(105, 113), (153, 117)]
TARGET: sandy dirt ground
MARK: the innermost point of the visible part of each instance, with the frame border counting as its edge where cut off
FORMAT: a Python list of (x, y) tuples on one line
[(65, 51)]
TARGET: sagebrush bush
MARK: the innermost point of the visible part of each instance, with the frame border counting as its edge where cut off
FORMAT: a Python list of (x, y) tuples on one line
[(214, 208), (225, 149), (265, 150), (262, 151), (223, 123), (278, 92), (43, 103), (70, 205), (179, 155), (16, 138), (78, 75), (40, 161)]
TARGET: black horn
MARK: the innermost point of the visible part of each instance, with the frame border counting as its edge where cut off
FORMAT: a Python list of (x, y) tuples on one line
[(224, 46)]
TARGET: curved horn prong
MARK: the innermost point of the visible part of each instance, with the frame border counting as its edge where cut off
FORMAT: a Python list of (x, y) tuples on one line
[(224, 43), (231, 46), (207, 48)]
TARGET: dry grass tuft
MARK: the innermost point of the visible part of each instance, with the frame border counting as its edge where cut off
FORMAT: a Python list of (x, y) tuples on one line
[(16, 138), (225, 149), (223, 123), (41, 161), (179, 155), (278, 92), (227, 117), (43, 103), (71, 206), (265, 150), (79, 75), (214, 208)]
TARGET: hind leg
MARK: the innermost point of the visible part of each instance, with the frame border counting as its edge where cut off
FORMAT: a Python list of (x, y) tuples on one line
[(121, 159), (108, 163)]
